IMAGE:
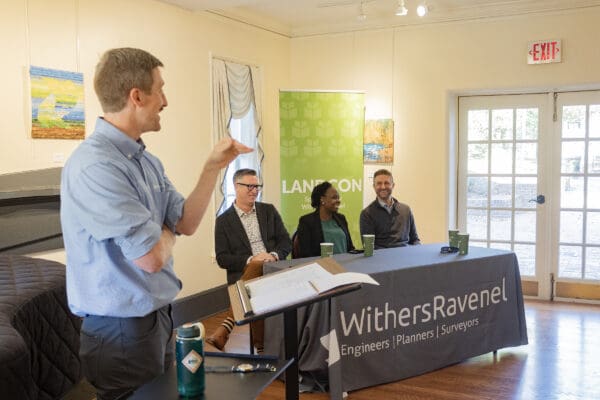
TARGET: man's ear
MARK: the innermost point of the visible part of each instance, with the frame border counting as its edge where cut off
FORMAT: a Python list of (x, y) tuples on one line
[(135, 95)]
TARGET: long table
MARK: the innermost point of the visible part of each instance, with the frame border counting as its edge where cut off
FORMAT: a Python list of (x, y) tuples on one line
[(429, 311)]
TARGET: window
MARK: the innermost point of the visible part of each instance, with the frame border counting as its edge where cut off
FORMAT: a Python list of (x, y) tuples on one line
[(236, 113), (242, 130)]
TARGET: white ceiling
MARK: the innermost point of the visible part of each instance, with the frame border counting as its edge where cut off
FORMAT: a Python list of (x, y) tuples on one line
[(296, 18)]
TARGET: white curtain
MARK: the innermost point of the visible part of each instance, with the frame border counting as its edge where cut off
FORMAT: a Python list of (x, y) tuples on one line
[(221, 108), (236, 96)]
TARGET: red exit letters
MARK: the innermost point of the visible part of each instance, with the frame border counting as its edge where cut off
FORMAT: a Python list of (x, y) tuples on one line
[(543, 52)]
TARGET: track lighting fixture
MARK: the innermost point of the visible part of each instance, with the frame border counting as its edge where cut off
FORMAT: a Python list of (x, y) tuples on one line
[(401, 9), (422, 10)]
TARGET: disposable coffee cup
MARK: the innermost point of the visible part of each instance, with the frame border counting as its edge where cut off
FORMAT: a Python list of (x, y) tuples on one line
[(453, 237), (326, 249), (463, 243), (369, 244)]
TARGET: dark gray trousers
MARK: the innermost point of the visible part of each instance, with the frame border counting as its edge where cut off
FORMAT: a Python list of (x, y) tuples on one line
[(120, 354)]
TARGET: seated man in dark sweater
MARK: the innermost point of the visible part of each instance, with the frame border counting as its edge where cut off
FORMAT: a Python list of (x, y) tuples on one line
[(390, 221)]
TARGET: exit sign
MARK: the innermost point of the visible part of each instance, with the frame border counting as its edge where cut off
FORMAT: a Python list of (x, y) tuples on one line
[(544, 52)]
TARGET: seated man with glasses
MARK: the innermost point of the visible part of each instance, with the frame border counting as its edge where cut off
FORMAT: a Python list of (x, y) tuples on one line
[(247, 234)]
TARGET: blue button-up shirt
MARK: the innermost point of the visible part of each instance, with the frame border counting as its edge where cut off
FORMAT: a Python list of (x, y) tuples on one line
[(115, 198)]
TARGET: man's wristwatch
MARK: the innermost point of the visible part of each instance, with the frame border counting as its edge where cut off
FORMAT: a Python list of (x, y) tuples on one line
[(253, 368), (259, 367)]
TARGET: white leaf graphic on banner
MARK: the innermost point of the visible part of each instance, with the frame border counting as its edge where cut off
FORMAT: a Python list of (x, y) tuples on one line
[(337, 147), (339, 111), (300, 129), (289, 148), (325, 129), (312, 111), (330, 342), (312, 148), (288, 110)]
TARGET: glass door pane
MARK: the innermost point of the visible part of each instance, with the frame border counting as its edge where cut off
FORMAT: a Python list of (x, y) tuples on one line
[(499, 164), (578, 236)]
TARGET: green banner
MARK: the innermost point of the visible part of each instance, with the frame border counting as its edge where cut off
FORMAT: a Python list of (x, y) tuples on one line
[(321, 140)]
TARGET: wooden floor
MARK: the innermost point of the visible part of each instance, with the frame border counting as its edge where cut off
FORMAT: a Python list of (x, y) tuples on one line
[(562, 361)]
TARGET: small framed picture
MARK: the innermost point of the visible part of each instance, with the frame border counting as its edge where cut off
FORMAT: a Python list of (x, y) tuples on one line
[(378, 142)]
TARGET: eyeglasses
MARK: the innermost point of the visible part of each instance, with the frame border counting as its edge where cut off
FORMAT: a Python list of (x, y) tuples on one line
[(448, 249), (250, 187)]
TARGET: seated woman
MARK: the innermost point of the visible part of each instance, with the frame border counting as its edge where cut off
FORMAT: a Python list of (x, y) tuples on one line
[(325, 224)]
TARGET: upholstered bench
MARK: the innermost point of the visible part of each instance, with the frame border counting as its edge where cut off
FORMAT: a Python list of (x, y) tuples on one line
[(39, 337)]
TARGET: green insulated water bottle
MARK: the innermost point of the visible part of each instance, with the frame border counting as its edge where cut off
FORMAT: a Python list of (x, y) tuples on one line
[(189, 349)]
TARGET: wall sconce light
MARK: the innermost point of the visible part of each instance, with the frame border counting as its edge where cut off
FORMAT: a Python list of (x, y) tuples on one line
[(422, 10), (401, 10)]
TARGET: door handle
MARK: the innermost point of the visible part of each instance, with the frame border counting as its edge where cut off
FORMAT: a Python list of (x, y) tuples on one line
[(540, 199)]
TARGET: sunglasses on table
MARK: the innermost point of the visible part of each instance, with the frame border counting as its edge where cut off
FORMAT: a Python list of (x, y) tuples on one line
[(448, 249)]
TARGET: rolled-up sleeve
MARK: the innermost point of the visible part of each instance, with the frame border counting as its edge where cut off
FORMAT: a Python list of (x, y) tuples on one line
[(108, 206), (175, 204)]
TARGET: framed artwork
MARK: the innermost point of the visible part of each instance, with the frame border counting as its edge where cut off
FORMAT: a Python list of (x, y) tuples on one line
[(378, 142), (57, 108)]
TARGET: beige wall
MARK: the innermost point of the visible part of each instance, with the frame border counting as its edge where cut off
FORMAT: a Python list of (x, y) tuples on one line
[(71, 34), (413, 75), (410, 74)]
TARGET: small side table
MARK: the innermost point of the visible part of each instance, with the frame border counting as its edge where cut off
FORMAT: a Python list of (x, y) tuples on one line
[(219, 385)]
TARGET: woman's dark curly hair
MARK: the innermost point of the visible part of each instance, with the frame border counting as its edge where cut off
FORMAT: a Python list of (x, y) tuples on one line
[(317, 193)]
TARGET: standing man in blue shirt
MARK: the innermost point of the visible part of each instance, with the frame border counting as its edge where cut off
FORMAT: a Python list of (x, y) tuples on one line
[(392, 222), (120, 214)]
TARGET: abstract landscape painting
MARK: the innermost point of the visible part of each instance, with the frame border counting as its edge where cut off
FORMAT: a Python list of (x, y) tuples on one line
[(56, 104), (378, 142)]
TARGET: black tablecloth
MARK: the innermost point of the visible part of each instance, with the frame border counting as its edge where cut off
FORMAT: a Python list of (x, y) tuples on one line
[(430, 310)]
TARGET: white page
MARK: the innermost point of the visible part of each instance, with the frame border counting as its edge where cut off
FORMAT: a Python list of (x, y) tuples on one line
[(327, 283), (284, 288), (286, 279), (282, 297)]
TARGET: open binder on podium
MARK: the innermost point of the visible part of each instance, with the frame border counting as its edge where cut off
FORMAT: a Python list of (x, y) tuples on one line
[(285, 291), (293, 286)]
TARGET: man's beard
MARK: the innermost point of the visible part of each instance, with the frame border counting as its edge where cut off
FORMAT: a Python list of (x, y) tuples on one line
[(384, 194)]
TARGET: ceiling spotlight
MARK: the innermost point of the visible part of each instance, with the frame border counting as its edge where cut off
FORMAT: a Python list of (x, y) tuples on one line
[(361, 12), (401, 10), (422, 10)]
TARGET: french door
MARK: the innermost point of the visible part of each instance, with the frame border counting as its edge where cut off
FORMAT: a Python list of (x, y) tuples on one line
[(502, 180), (529, 181), (577, 254)]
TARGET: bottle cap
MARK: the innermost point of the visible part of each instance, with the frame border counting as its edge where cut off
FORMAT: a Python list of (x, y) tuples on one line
[(188, 331)]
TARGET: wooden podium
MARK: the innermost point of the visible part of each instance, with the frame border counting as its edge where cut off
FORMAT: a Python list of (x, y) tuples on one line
[(243, 315)]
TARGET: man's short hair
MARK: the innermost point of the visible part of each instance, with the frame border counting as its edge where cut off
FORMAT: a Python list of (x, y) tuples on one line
[(383, 171), (240, 173), (119, 71)]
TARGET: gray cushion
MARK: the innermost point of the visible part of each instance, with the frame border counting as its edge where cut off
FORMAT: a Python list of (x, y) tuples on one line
[(39, 337)]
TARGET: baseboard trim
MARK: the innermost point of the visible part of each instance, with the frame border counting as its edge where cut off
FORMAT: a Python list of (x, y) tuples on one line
[(200, 305)]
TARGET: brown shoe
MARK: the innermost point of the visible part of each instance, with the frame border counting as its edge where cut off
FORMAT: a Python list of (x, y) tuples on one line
[(219, 338)]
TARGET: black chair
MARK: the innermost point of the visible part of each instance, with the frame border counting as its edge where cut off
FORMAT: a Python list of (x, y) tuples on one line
[(295, 246)]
